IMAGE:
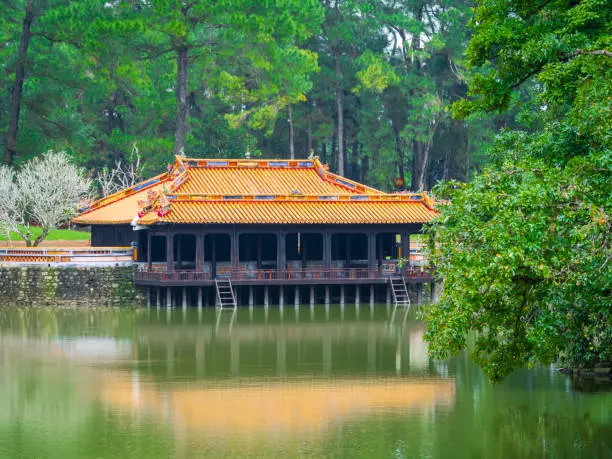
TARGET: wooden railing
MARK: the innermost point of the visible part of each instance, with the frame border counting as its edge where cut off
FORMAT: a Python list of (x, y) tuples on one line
[(265, 275), (305, 274), (81, 255), (172, 276)]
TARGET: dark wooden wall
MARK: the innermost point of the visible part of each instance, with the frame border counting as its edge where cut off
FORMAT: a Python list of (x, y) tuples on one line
[(113, 235)]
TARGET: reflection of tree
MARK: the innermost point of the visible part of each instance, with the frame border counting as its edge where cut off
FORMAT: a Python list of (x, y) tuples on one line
[(49, 323), (530, 415), (47, 410), (527, 432), (592, 384)]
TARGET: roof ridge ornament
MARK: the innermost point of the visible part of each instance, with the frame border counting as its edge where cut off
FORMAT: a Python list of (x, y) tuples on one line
[(156, 201)]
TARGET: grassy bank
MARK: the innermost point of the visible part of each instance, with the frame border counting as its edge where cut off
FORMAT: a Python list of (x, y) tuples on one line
[(54, 235)]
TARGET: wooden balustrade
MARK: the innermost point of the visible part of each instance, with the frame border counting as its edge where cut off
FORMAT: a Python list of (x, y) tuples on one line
[(51, 255), (280, 276)]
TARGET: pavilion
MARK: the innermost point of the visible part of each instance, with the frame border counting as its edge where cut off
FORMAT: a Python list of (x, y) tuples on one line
[(264, 223)]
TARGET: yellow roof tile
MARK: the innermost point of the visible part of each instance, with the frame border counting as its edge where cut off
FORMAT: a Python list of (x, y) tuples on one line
[(120, 207), (259, 181), (292, 212), (258, 192)]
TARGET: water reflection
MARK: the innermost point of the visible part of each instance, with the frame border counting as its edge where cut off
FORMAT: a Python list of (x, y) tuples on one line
[(261, 382), (252, 408)]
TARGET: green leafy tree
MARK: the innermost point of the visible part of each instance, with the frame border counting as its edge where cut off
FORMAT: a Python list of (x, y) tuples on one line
[(43, 76), (219, 35), (524, 249)]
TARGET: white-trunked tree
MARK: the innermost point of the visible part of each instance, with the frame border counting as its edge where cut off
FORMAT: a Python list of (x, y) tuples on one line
[(44, 192), (125, 174), (9, 215)]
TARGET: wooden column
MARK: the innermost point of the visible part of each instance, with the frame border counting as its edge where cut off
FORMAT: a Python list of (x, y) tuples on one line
[(259, 250), (281, 251), (406, 248), (349, 240), (199, 252), (372, 250), (179, 250), (234, 250), (327, 250), (213, 268), (170, 250), (149, 260), (247, 249)]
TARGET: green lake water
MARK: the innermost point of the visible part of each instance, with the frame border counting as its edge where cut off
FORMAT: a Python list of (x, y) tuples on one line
[(336, 382)]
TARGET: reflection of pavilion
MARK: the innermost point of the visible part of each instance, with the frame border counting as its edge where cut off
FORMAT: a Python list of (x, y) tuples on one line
[(248, 408), (286, 403), (290, 348)]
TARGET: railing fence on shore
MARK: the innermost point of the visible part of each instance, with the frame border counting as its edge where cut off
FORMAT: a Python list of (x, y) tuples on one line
[(64, 256)]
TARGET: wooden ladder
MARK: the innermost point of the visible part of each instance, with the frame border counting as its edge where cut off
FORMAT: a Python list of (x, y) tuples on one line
[(400, 292), (225, 293)]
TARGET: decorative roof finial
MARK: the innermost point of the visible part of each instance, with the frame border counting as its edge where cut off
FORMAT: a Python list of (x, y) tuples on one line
[(247, 154)]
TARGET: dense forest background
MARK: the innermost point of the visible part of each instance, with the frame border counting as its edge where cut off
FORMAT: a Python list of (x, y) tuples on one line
[(365, 85)]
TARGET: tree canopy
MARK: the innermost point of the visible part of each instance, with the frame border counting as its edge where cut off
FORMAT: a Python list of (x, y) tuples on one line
[(524, 249), (358, 83)]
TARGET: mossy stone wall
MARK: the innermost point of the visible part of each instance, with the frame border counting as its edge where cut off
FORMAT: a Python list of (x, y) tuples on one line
[(35, 286)]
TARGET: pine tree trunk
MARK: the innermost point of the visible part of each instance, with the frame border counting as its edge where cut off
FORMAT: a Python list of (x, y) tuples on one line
[(26, 34), (290, 121), (354, 173), (422, 166), (365, 166), (180, 131), (446, 165), (309, 131), (333, 154), (418, 147), (417, 154), (400, 155), (340, 119)]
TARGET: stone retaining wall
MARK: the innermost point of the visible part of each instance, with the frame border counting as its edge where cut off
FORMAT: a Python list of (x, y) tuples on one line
[(36, 286)]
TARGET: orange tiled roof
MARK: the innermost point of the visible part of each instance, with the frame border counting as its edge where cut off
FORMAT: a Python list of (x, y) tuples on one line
[(259, 180), (257, 192), (121, 207), (293, 212)]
